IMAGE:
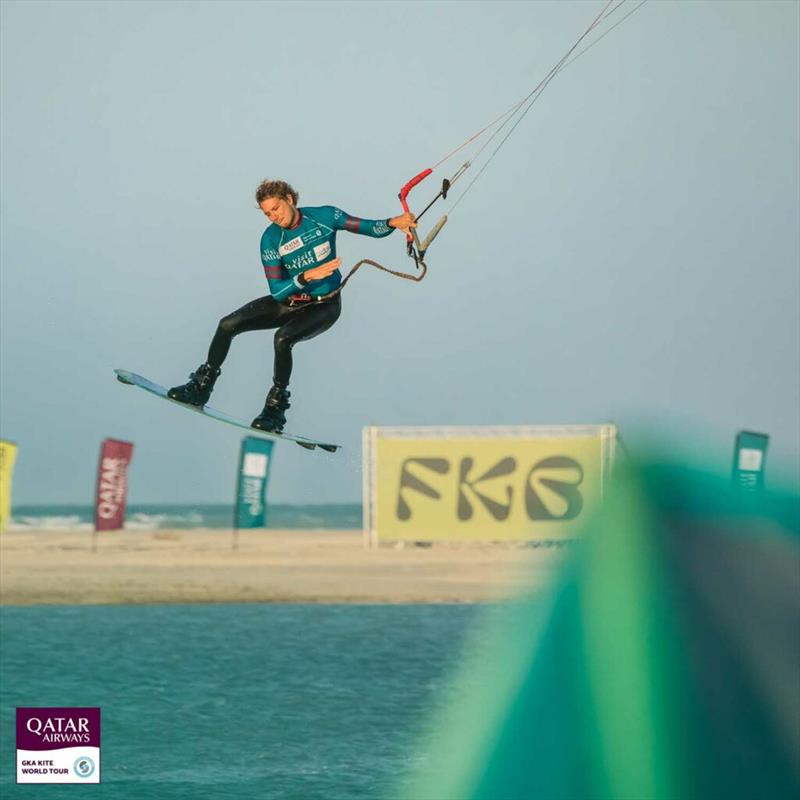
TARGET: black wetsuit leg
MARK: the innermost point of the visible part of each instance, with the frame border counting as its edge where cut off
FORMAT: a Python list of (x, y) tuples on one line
[(294, 324), (259, 315), (305, 323)]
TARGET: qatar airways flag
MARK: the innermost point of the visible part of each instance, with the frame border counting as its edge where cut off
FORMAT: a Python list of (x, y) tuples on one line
[(112, 484)]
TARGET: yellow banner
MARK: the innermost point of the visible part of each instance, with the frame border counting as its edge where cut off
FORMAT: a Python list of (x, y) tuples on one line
[(492, 486), (8, 455)]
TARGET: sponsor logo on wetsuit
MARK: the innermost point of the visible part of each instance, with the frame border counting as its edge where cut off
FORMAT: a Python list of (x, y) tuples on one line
[(304, 260), (291, 246), (270, 255), (322, 250), (309, 236)]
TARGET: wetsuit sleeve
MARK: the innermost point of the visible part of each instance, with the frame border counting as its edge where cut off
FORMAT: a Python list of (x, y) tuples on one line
[(280, 284), (342, 221)]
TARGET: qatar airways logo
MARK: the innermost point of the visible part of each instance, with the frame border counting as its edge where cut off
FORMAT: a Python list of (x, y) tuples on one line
[(58, 745), (113, 486), (290, 246), (60, 730)]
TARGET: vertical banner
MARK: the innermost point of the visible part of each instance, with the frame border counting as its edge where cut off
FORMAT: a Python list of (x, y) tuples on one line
[(251, 491), (8, 455), (112, 485), (749, 460)]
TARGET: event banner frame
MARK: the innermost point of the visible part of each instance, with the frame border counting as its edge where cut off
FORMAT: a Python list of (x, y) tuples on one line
[(509, 483)]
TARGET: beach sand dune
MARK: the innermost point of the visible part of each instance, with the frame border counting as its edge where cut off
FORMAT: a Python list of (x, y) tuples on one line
[(200, 566)]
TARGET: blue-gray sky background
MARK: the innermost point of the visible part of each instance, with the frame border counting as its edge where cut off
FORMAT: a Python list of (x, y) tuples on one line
[(631, 254)]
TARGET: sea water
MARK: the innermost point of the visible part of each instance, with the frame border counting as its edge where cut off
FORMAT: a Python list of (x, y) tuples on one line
[(309, 702), (342, 516)]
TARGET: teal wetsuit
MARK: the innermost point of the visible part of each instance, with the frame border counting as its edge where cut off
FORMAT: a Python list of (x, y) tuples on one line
[(287, 252)]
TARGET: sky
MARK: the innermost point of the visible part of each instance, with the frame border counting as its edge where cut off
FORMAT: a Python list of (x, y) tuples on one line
[(631, 254)]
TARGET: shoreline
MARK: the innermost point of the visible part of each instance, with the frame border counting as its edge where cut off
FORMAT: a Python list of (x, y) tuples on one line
[(48, 567)]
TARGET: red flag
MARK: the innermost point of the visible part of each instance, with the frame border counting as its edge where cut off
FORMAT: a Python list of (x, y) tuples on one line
[(112, 484)]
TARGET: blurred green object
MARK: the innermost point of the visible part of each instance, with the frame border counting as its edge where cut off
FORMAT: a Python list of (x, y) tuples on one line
[(666, 663)]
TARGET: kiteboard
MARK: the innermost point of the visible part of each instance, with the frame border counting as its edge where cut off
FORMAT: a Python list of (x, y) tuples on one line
[(132, 379)]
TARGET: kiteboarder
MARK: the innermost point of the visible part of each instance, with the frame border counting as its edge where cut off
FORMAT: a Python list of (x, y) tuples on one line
[(298, 252)]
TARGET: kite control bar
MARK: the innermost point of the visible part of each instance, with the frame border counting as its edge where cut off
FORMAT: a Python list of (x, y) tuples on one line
[(415, 248)]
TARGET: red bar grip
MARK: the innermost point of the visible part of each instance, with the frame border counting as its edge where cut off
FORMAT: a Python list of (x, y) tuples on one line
[(411, 184), (404, 193)]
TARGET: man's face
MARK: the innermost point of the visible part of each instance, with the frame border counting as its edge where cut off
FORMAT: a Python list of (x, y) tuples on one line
[(279, 210)]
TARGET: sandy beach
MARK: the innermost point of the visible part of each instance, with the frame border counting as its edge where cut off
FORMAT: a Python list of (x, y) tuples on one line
[(200, 566)]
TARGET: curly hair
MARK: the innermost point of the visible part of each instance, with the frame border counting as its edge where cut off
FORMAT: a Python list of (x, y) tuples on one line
[(275, 189)]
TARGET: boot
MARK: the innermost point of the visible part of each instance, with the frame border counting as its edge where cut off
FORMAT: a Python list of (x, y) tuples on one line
[(198, 389), (272, 418)]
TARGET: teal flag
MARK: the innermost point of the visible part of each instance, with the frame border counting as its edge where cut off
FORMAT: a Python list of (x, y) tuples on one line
[(749, 459), (251, 492)]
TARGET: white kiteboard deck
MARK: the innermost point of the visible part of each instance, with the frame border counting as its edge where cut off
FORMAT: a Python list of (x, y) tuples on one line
[(131, 378)]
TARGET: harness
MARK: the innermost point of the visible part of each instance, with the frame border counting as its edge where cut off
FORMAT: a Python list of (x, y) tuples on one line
[(295, 300)]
